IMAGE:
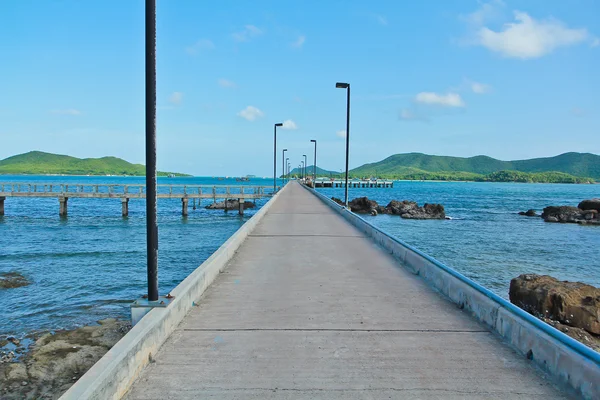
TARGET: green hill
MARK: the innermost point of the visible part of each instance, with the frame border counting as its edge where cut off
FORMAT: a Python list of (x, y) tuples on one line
[(320, 171), (40, 163), (413, 165)]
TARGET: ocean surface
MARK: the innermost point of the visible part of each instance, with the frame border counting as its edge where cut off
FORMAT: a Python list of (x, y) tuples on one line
[(487, 240), (92, 264)]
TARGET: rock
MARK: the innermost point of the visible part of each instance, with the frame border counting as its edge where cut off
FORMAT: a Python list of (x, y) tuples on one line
[(340, 202), (231, 205), (571, 303), (13, 340), (551, 219), (9, 280), (411, 210), (528, 213), (578, 334), (593, 204), (374, 212), (562, 213), (363, 205)]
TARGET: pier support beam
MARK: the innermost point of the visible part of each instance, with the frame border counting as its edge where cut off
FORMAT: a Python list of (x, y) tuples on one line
[(63, 206), (2, 205), (241, 202), (124, 206), (184, 206)]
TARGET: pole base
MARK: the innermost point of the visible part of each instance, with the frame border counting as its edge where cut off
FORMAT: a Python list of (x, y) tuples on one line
[(143, 306)]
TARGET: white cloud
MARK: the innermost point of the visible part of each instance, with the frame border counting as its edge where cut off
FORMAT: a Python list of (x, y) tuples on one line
[(68, 111), (202, 44), (595, 42), (249, 32), (479, 88), (251, 113), (486, 12), (289, 124), (529, 38), (176, 98), (226, 83), (447, 100), (341, 134), (299, 42)]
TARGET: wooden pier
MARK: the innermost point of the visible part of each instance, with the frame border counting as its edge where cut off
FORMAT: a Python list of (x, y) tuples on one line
[(353, 183), (63, 192)]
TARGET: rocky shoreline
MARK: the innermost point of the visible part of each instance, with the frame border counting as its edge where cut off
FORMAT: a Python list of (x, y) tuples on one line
[(230, 204), (405, 209), (571, 307), (54, 361)]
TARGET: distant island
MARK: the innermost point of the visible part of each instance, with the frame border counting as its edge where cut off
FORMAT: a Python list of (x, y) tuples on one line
[(40, 163), (564, 168)]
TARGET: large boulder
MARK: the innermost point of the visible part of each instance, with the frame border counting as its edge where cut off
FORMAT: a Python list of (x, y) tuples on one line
[(570, 303), (593, 204), (411, 210), (562, 214), (230, 204), (362, 205), (339, 201)]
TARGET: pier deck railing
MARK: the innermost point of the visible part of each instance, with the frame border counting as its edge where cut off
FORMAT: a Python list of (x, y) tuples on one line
[(125, 192)]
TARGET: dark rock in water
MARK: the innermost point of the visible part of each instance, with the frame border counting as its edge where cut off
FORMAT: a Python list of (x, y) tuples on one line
[(528, 213), (571, 303), (231, 205), (411, 210), (9, 280), (593, 204), (363, 205), (570, 214), (340, 202)]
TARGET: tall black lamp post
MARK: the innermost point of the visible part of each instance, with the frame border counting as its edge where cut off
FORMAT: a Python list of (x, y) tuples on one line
[(342, 85), (305, 166), (275, 156), (283, 164), (315, 163)]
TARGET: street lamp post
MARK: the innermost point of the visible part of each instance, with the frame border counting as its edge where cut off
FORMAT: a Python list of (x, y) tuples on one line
[(288, 167), (151, 221), (305, 167), (283, 164), (302, 169), (315, 163), (342, 85), (275, 156)]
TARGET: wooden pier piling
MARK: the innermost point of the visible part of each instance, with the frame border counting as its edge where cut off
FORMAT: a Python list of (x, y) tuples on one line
[(124, 206), (63, 203)]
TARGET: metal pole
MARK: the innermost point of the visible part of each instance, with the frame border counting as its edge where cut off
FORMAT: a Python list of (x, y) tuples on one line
[(283, 164), (274, 157), (347, 143), (288, 168), (315, 166), (151, 222), (305, 166)]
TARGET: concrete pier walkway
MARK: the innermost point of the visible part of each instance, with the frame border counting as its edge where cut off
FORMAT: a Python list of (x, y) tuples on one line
[(310, 308)]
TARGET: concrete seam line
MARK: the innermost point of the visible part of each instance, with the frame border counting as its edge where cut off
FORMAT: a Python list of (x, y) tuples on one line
[(571, 362), (113, 375)]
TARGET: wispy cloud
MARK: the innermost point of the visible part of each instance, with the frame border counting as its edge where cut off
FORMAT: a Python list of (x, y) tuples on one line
[(226, 83), (381, 19), (68, 111), (595, 42), (409, 115), (176, 98), (479, 88), (249, 32), (445, 100), (341, 134), (251, 113), (289, 124), (201, 44), (525, 37), (299, 42)]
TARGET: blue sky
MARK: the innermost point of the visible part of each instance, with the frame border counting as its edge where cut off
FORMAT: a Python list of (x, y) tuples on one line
[(509, 79)]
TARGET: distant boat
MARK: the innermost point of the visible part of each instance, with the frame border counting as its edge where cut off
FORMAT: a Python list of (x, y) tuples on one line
[(242, 179), (171, 175)]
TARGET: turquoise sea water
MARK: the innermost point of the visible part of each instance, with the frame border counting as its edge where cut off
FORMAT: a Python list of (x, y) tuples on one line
[(487, 240), (92, 264)]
